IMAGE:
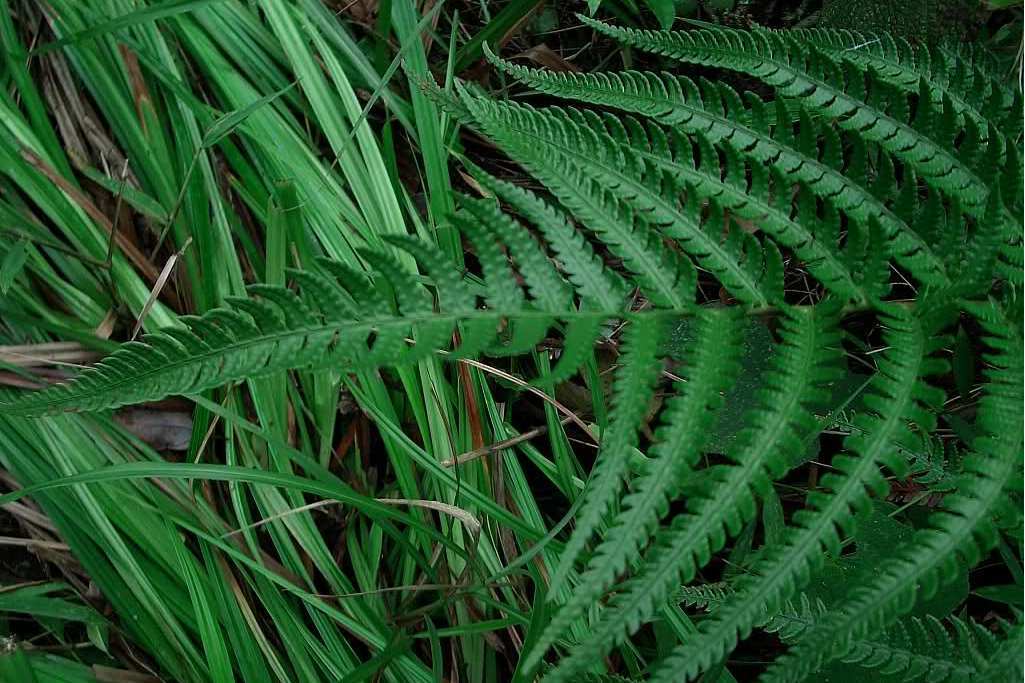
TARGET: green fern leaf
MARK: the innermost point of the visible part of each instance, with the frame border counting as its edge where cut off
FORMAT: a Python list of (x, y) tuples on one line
[(596, 188), (710, 367), (745, 191), (1004, 662), (249, 339), (959, 534), (631, 392), (912, 648), (597, 285), (806, 361), (342, 320), (959, 77), (547, 288), (857, 101), (716, 112), (898, 399), (704, 596), (918, 648)]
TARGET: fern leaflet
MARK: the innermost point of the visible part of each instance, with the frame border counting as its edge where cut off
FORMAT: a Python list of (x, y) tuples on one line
[(630, 393)]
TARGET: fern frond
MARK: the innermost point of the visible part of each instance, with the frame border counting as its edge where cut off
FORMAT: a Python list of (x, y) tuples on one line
[(1004, 661), (752, 196), (249, 339), (858, 101), (631, 393), (664, 97), (899, 398), (917, 648), (597, 285), (806, 361), (716, 112), (959, 534), (952, 650), (704, 596), (598, 180), (912, 648), (1010, 260), (606, 678), (960, 77), (795, 617), (341, 319), (711, 364)]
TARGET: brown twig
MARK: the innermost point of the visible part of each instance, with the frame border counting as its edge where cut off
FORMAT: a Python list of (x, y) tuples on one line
[(501, 445)]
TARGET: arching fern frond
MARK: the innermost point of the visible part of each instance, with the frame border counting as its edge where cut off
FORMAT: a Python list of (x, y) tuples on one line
[(631, 391), (703, 596), (959, 533), (710, 365), (247, 338), (917, 648), (598, 286), (857, 100), (805, 363), (898, 399), (340, 318), (752, 196), (913, 648), (598, 180), (831, 168), (482, 219), (951, 74), (1004, 662), (951, 650)]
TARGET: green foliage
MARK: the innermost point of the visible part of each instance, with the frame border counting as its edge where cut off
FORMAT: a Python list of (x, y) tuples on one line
[(927, 139), (696, 203), (709, 368), (915, 19), (343, 319), (837, 116), (776, 426), (912, 649), (817, 155), (960, 533)]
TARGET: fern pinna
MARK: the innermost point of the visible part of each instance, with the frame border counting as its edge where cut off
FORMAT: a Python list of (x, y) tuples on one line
[(913, 648), (882, 178)]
